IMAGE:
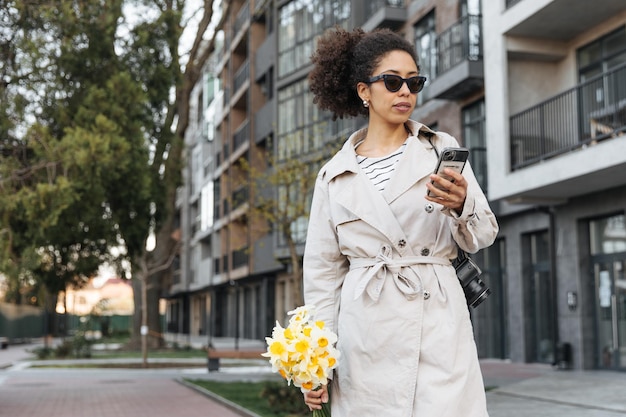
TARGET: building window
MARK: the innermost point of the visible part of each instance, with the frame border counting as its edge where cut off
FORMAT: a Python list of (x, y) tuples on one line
[(216, 199), (471, 16), (602, 93), (474, 125), (206, 207), (425, 43), (538, 301), (302, 130), (470, 8), (300, 22), (491, 331), (302, 127), (602, 55), (298, 227), (608, 235)]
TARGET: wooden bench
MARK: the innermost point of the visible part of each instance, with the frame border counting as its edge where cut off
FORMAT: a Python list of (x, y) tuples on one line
[(214, 356)]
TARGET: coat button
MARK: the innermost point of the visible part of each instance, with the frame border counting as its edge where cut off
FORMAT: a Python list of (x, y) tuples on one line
[(429, 207), (426, 295), (402, 243), (425, 252)]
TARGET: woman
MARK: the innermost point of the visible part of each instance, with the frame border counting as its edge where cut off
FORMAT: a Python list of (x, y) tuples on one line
[(377, 259)]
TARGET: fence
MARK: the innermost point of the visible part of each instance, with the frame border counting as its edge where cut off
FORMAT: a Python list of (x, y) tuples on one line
[(23, 322)]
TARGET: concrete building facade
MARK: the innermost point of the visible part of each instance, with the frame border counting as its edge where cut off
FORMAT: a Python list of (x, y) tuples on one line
[(534, 88)]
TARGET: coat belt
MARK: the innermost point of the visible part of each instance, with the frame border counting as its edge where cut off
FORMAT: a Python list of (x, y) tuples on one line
[(384, 265)]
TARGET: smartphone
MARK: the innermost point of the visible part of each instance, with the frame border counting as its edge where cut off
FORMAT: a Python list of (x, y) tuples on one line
[(453, 158)]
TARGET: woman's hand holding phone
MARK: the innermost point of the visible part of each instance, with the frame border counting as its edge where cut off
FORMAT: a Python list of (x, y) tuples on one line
[(450, 194), (447, 186)]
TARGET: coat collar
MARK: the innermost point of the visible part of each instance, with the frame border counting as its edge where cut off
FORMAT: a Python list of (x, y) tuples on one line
[(407, 172), (355, 192)]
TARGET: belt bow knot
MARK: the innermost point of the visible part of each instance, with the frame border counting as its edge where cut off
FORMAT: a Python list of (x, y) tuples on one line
[(383, 266)]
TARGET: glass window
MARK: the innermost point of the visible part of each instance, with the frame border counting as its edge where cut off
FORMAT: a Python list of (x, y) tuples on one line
[(474, 127), (300, 22), (425, 43), (302, 128), (602, 55), (538, 301), (608, 235), (470, 8), (207, 207), (491, 333)]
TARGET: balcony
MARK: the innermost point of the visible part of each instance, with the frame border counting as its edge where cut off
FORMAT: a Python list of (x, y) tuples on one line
[(240, 196), (459, 68), (570, 145), (243, 17), (384, 14), (240, 257), (242, 135), (590, 112), (241, 76), (559, 20)]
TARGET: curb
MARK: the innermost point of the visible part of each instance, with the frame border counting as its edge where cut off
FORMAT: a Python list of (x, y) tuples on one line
[(235, 407)]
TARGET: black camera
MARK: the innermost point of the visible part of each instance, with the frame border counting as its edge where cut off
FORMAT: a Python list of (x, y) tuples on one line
[(476, 291)]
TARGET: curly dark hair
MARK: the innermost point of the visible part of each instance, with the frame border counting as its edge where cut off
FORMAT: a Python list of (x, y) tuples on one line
[(343, 59)]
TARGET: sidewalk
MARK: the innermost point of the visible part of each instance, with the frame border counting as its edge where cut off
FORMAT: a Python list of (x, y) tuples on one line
[(536, 390), (513, 389)]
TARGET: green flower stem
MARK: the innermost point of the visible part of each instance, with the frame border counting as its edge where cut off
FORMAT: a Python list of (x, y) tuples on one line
[(324, 412)]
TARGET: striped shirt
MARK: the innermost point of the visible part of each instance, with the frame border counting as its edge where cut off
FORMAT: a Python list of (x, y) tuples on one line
[(380, 170)]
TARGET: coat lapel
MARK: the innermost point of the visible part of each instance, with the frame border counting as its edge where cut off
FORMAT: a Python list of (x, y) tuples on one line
[(418, 161), (356, 193)]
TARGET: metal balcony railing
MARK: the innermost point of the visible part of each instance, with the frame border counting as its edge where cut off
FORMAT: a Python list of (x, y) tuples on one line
[(461, 42), (242, 75), (240, 258), (372, 6), (242, 17), (591, 111), (240, 196), (242, 135)]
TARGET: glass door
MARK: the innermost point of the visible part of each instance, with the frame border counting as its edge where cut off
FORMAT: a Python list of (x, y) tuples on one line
[(611, 312), (608, 257)]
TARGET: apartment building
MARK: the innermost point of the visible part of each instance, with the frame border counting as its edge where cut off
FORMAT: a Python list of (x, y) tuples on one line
[(555, 87), (534, 88)]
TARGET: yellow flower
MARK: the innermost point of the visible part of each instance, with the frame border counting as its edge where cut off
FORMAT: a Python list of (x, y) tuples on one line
[(303, 352)]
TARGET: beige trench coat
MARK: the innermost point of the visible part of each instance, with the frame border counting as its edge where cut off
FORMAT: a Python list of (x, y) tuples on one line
[(377, 268)]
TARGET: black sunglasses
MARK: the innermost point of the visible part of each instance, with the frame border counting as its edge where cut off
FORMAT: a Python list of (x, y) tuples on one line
[(394, 82)]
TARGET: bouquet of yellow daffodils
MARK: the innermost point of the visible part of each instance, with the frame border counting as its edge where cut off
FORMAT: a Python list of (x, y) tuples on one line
[(303, 352)]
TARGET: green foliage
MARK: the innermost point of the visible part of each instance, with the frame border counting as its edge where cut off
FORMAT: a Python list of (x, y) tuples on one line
[(287, 401), (93, 109), (43, 352), (284, 398), (77, 347), (64, 182)]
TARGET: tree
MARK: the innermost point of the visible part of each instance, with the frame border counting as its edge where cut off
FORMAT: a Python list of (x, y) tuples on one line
[(57, 172), (92, 143)]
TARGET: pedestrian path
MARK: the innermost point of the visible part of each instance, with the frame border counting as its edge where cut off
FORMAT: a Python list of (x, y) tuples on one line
[(103, 394), (513, 389), (535, 390)]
